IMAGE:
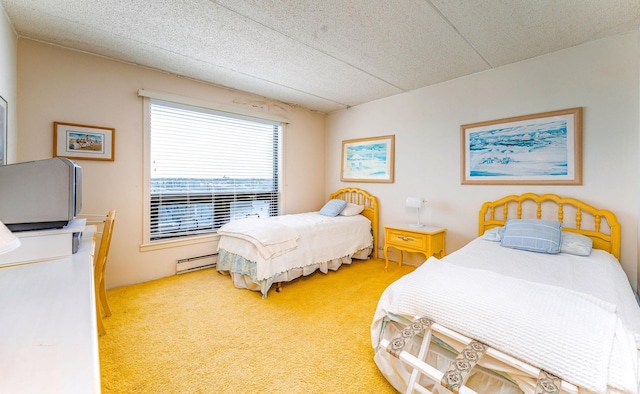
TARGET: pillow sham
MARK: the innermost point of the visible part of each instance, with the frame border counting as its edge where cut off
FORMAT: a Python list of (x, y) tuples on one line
[(534, 235), (352, 209), (493, 234), (333, 207), (577, 244)]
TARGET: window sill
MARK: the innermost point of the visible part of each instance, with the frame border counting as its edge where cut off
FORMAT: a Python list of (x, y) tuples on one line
[(157, 245)]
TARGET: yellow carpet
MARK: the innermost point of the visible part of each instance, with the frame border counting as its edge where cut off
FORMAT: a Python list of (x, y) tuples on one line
[(196, 333)]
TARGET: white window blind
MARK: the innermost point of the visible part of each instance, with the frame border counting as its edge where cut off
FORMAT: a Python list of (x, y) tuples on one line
[(209, 167)]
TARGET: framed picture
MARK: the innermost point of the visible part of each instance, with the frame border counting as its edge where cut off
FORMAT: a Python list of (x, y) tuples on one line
[(368, 159), (538, 149), (79, 141), (4, 129)]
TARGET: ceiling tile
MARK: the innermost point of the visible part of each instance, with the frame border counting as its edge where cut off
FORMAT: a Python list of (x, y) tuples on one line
[(322, 55), (508, 31)]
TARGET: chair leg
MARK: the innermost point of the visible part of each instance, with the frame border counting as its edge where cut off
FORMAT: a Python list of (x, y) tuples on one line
[(103, 299), (101, 330)]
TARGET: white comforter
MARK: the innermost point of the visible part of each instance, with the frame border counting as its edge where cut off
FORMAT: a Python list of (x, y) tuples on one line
[(319, 239), (270, 237), (574, 316)]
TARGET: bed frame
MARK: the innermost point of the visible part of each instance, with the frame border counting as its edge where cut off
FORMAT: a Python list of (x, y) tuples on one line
[(454, 379), (370, 202), (575, 216)]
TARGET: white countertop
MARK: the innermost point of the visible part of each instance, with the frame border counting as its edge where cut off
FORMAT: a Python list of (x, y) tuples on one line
[(43, 244), (48, 334)]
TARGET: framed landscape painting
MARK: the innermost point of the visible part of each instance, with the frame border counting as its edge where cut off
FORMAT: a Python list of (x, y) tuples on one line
[(368, 159), (537, 149), (78, 141)]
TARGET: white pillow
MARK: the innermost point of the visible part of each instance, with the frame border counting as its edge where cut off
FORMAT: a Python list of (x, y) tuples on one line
[(352, 210), (494, 234), (577, 244)]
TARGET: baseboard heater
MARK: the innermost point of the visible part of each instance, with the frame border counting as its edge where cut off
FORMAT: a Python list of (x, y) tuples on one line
[(196, 263)]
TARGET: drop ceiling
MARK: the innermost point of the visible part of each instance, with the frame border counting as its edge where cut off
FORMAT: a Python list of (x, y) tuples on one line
[(323, 55)]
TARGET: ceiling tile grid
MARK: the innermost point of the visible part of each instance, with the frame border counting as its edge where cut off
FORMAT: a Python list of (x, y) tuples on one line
[(321, 55)]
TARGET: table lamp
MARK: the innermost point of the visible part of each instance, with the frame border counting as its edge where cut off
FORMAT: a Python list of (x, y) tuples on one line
[(8, 241), (415, 202)]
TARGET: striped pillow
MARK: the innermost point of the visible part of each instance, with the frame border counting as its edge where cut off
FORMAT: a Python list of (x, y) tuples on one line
[(542, 236), (333, 207)]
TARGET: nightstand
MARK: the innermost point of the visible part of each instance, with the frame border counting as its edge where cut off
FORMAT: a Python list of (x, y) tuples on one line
[(426, 240)]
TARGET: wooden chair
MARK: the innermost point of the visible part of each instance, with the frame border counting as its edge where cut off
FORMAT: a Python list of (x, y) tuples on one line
[(102, 305)]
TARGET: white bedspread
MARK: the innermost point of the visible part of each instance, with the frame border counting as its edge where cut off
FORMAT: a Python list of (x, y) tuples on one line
[(270, 237), (573, 316), (321, 238)]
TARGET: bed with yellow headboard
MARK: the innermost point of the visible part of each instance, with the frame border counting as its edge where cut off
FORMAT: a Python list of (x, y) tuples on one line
[(600, 225), (258, 253), (537, 299)]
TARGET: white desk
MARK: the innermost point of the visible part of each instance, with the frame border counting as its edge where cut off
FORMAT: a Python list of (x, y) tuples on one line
[(48, 332)]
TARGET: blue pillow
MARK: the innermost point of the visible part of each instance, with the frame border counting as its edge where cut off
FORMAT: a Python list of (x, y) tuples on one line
[(333, 207), (577, 244), (534, 235)]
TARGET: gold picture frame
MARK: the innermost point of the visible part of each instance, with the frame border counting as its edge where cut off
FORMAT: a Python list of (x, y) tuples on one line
[(83, 142), (537, 149), (368, 159)]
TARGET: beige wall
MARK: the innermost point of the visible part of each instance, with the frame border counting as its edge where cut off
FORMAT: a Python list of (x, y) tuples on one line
[(601, 76), (8, 78), (55, 84)]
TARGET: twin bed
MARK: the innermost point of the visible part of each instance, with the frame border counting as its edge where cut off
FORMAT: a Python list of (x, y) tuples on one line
[(562, 318), (257, 253), (533, 306)]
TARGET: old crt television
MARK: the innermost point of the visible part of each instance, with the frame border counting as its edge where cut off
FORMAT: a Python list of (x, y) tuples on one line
[(41, 194)]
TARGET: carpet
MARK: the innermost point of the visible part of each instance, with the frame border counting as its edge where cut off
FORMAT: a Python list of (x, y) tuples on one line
[(196, 333)]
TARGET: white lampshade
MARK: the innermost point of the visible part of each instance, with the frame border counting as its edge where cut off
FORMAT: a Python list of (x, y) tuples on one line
[(8, 241), (415, 202)]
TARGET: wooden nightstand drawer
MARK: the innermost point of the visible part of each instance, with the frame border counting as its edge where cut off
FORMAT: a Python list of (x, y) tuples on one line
[(403, 238), (430, 241)]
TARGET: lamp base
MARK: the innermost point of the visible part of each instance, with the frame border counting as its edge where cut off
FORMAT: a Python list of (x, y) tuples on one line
[(416, 225)]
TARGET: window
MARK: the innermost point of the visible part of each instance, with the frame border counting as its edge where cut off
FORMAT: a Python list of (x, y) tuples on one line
[(208, 167)]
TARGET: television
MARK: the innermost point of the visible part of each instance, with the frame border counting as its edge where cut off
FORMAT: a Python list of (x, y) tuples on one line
[(40, 194)]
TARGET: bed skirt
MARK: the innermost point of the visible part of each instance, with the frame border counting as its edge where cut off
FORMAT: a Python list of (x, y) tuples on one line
[(243, 271)]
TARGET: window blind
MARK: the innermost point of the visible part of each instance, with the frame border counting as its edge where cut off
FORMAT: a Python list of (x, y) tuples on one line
[(209, 167)]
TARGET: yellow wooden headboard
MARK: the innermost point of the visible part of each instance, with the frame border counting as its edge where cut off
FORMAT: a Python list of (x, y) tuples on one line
[(370, 202), (575, 216)]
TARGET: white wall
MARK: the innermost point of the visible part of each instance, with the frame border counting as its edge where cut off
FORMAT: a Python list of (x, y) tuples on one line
[(8, 78), (601, 76), (55, 84)]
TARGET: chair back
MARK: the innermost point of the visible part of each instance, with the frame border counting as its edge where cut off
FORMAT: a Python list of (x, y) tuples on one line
[(105, 242)]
